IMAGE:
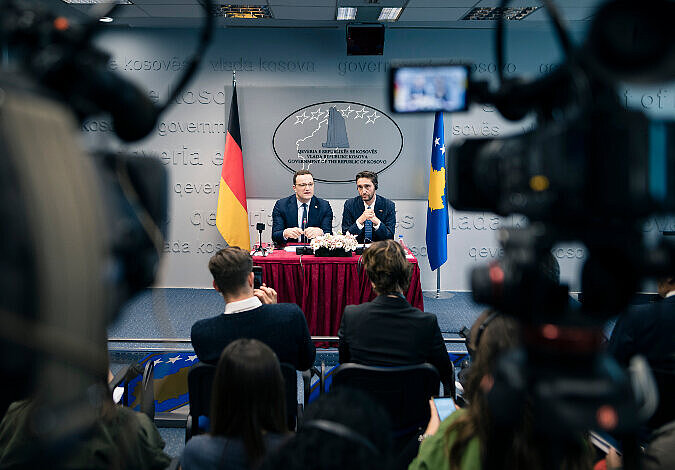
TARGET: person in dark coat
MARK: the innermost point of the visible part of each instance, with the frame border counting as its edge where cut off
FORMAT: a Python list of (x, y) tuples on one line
[(369, 214), (389, 331), (251, 313), (302, 216)]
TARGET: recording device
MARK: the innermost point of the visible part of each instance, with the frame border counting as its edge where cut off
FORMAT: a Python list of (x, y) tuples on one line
[(86, 231), (260, 227), (445, 406), (604, 442), (416, 88), (590, 171), (257, 277)]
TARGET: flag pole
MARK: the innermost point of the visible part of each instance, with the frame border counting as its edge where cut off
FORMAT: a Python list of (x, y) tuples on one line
[(439, 294)]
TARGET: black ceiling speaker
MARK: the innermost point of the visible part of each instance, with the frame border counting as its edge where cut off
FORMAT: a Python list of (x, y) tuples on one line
[(365, 39)]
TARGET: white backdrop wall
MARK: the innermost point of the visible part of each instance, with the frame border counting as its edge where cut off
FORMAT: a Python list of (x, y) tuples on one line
[(280, 71)]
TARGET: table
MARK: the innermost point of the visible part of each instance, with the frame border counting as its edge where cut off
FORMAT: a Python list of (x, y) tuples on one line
[(323, 286)]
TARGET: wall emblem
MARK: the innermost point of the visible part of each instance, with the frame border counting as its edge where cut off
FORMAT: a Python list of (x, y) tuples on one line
[(337, 139)]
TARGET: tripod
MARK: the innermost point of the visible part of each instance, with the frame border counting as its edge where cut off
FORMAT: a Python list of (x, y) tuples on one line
[(260, 227)]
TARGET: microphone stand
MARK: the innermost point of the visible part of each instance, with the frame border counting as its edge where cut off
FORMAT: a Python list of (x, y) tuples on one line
[(261, 228)]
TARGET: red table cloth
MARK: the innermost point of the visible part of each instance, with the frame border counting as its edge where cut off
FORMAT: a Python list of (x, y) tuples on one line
[(323, 286)]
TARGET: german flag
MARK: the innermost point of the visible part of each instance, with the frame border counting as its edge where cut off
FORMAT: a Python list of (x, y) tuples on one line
[(232, 213)]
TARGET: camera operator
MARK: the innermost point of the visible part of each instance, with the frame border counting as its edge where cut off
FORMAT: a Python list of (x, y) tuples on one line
[(465, 439), (649, 330)]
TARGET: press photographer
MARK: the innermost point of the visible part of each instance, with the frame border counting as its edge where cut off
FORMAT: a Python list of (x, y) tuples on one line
[(83, 233), (590, 171)]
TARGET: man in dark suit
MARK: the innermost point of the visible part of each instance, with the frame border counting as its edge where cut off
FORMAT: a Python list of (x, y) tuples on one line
[(251, 313), (302, 216), (649, 330), (389, 331), (368, 216)]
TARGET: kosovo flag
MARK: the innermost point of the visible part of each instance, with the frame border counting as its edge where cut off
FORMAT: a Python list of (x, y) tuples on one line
[(438, 222)]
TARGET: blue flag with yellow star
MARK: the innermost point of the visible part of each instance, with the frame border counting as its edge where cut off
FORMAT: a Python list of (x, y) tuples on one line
[(438, 222)]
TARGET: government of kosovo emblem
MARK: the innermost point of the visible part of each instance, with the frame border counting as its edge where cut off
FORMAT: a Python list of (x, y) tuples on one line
[(337, 139)]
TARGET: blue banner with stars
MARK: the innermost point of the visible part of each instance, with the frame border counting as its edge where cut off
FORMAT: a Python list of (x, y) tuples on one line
[(170, 380), (438, 222)]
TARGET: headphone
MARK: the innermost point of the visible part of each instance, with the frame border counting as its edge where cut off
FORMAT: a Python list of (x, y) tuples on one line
[(472, 349)]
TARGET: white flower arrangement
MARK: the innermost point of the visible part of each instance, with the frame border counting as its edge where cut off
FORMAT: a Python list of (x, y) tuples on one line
[(346, 242)]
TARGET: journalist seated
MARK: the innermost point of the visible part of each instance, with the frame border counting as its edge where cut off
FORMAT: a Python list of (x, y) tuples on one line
[(251, 313), (248, 410), (389, 331), (464, 439), (119, 438)]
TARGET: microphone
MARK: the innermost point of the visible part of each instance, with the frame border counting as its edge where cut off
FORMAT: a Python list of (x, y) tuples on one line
[(361, 249)]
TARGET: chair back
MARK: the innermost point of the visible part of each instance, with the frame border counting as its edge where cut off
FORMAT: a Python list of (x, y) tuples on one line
[(200, 383), (664, 374), (291, 392), (403, 391)]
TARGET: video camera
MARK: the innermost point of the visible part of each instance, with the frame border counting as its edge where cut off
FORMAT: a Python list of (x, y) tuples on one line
[(83, 233), (589, 171)]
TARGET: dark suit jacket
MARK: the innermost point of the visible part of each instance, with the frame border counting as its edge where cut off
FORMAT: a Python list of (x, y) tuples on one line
[(390, 332), (649, 330), (285, 215), (385, 210), (282, 327)]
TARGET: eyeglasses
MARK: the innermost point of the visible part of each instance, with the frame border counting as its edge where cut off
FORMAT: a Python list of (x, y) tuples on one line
[(302, 185)]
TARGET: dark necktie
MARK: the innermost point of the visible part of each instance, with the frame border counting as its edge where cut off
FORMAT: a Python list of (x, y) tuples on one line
[(303, 238), (368, 226)]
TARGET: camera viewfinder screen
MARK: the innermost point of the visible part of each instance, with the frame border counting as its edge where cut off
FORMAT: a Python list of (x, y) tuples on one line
[(432, 88)]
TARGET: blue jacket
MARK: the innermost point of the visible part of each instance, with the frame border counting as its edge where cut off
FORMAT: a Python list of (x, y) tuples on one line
[(385, 210), (285, 215)]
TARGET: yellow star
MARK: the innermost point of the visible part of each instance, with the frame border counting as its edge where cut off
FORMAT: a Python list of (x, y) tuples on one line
[(436, 189)]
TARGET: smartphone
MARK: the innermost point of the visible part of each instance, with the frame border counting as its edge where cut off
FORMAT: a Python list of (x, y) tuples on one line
[(427, 88), (604, 441), (445, 406), (257, 277)]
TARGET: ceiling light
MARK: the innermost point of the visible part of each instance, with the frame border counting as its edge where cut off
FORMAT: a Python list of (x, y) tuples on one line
[(346, 13), (389, 14), (243, 11), (492, 13), (91, 2), (105, 19)]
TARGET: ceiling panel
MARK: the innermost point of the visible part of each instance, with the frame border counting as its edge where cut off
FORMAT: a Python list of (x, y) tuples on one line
[(174, 11), (123, 11), (568, 14), (441, 3), (365, 4), (166, 2), (432, 14), (303, 13), (307, 3)]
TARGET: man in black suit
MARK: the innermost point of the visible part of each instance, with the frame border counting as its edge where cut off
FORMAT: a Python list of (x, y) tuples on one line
[(649, 330), (251, 313), (302, 216), (368, 216), (389, 331)]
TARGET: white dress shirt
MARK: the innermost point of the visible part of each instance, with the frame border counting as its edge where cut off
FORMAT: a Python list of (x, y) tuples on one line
[(366, 206), (242, 305)]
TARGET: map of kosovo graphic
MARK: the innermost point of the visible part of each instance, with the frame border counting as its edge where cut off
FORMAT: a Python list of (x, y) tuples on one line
[(436, 189)]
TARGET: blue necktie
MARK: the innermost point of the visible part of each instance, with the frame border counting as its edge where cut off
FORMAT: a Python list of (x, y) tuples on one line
[(303, 238), (368, 226)]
